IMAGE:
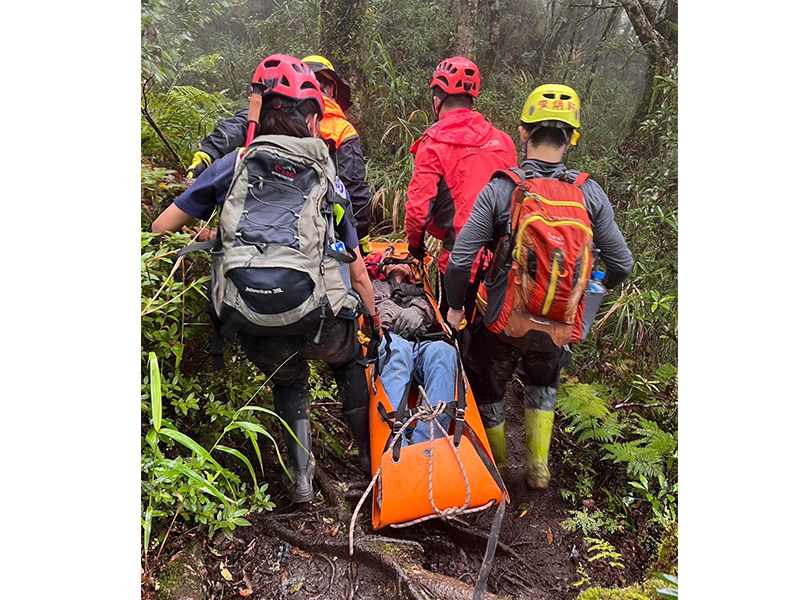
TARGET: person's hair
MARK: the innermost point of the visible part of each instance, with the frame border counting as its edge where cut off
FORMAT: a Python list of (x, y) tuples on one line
[(550, 136), (326, 81), (284, 122), (453, 101)]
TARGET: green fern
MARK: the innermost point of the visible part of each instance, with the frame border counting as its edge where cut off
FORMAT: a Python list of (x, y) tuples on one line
[(184, 115), (587, 408), (650, 454), (604, 550), (580, 519)]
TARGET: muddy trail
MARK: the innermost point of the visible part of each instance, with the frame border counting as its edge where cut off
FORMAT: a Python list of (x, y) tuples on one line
[(301, 553)]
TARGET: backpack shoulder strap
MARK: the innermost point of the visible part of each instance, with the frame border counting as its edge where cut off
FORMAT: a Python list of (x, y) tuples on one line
[(576, 178), (580, 179), (515, 174)]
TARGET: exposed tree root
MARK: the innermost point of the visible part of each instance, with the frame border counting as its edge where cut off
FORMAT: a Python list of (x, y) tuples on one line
[(387, 554), (182, 578), (416, 582)]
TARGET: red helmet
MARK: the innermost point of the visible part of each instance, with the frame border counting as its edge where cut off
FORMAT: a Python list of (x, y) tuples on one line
[(281, 76), (457, 75)]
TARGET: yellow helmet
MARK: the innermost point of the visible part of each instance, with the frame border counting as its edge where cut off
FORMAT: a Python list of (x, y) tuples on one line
[(316, 58), (553, 105), (320, 64)]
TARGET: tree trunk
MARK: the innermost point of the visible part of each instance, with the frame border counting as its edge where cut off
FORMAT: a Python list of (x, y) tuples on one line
[(494, 34), (661, 50), (468, 29), (342, 38), (612, 20)]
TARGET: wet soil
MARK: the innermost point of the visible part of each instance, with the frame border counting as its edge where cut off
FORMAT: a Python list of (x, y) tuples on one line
[(538, 559)]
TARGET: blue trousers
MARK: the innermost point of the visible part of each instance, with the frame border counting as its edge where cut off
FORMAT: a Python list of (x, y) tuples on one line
[(432, 365)]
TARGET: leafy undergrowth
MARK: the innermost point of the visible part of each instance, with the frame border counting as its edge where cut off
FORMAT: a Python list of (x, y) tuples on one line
[(544, 556)]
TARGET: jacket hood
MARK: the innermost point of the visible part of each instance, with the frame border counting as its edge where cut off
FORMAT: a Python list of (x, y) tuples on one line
[(462, 127)]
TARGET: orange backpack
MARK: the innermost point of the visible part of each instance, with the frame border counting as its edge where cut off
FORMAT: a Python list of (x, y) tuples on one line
[(547, 253)]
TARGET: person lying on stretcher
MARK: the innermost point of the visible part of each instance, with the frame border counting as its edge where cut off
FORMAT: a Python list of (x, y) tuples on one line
[(404, 355)]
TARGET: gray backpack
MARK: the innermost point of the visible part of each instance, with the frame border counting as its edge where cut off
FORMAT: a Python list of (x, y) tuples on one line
[(276, 259)]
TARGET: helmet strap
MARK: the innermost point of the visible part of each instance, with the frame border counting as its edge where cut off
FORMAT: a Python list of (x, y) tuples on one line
[(434, 107)]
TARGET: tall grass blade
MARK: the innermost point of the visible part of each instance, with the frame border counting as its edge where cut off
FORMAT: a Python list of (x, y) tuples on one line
[(254, 440), (191, 444), (259, 429), (243, 458), (155, 390), (148, 525), (203, 484)]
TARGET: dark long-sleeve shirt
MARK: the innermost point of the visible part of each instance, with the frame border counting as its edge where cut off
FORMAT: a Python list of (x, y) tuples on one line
[(489, 220), (343, 143)]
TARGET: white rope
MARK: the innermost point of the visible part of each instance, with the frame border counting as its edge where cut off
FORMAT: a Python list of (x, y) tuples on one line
[(428, 414)]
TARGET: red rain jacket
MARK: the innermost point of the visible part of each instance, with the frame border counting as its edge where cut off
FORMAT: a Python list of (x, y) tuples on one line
[(453, 161)]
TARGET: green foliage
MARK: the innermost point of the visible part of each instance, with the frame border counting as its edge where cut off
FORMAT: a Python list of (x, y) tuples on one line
[(584, 475), (650, 453), (642, 322), (590, 522), (662, 499), (644, 591), (159, 186), (618, 407), (169, 27), (588, 412), (668, 592), (184, 115), (201, 436), (604, 551), (666, 560), (202, 488)]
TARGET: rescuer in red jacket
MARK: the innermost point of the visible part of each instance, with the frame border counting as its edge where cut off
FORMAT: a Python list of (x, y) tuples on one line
[(453, 161)]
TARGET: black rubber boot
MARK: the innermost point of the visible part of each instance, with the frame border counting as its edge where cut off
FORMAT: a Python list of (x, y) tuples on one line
[(291, 404), (300, 462), (357, 421), (352, 382)]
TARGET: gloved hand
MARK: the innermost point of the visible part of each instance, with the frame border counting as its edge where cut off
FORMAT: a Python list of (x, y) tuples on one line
[(408, 323), (200, 161), (372, 329), (364, 244), (418, 253), (455, 317)]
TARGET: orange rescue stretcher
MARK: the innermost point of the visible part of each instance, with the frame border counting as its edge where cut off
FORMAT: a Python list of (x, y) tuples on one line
[(454, 475)]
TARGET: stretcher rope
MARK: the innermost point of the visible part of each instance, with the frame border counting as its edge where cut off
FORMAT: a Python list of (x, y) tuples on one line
[(429, 414)]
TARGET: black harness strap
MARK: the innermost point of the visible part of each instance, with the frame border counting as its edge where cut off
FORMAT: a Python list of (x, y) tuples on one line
[(491, 546)]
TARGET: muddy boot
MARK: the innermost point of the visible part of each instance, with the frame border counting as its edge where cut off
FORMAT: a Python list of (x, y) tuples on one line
[(357, 420), (300, 462), (538, 431), (291, 404), (493, 417), (497, 442)]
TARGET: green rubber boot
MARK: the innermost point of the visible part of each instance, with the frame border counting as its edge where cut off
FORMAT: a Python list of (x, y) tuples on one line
[(538, 431), (497, 442)]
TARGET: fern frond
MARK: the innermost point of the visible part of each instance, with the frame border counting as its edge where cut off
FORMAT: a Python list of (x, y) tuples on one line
[(604, 550), (588, 410)]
